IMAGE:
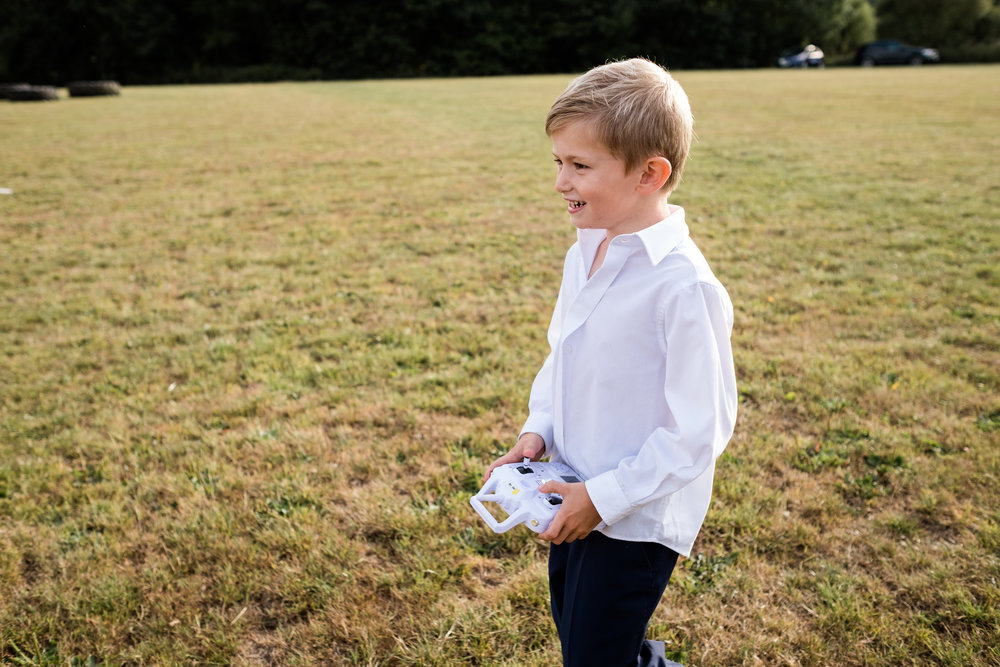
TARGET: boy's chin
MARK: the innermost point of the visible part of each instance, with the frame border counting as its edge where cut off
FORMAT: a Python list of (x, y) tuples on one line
[(583, 225)]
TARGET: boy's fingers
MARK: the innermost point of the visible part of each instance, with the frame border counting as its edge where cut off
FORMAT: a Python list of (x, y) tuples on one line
[(509, 457), (489, 471), (555, 529), (553, 486), (551, 533), (530, 445)]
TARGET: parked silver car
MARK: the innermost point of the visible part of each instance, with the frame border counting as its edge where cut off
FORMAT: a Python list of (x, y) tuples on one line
[(809, 55)]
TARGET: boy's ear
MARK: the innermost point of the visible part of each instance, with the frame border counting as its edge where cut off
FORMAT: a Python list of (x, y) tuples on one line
[(655, 173)]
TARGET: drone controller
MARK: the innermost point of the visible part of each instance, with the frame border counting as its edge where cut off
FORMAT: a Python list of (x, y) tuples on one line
[(514, 487)]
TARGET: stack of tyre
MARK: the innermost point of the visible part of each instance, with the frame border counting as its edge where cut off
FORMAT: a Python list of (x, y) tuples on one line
[(24, 92), (93, 88)]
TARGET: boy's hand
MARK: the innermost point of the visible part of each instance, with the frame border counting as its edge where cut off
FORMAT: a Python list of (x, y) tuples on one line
[(528, 445), (577, 515)]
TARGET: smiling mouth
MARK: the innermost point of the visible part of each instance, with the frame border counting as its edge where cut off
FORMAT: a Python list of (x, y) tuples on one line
[(575, 206)]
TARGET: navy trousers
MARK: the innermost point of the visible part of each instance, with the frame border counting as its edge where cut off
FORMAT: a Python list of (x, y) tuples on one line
[(603, 593)]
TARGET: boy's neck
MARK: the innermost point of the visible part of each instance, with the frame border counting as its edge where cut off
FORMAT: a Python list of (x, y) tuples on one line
[(659, 209)]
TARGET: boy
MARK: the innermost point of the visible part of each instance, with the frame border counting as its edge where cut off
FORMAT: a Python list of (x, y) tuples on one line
[(638, 393)]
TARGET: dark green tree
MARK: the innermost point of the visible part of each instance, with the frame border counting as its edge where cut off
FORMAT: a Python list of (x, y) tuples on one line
[(153, 41), (849, 28), (932, 22)]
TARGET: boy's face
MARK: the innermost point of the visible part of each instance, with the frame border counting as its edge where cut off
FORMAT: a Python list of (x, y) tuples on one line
[(599, 194)]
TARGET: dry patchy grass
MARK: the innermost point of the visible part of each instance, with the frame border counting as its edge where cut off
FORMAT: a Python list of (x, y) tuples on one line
[(258, 342)]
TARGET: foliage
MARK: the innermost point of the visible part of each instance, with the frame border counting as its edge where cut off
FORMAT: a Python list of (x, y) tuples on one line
[(161, 41), (847, 29), (258, 343), (942, 24)]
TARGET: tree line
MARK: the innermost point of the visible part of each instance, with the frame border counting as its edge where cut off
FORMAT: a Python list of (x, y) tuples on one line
[(182, 41)]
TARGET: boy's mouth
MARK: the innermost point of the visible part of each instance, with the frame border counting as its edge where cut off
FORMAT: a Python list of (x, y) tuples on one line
[(575, 206)]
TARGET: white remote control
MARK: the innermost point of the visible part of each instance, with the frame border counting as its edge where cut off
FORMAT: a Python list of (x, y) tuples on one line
[(514, 487)]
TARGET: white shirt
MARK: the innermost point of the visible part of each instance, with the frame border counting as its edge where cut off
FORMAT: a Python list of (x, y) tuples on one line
[(638, 393)]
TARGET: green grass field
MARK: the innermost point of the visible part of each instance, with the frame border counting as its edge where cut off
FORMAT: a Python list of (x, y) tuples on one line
[(258, 343)]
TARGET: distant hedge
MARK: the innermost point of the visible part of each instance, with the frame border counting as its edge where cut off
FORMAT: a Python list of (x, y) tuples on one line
[(971, 53), (178, 41)]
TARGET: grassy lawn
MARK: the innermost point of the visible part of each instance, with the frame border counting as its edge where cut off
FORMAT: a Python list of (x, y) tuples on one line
[(257, 344)]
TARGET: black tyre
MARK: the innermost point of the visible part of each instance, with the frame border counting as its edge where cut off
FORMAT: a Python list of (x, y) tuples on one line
[(94, 88), (34, 94), (6, 88)]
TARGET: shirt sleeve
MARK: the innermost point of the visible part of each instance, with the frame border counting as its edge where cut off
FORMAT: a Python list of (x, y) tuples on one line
[(541, 414), (700, 393)]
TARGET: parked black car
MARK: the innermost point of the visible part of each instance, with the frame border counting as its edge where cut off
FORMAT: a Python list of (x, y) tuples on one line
[(892, 52)]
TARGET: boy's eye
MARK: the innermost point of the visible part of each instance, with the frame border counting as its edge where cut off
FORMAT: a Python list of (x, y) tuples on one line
[(579, 166)]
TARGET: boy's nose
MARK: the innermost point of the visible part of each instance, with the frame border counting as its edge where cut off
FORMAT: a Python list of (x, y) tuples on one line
[(562, 183)]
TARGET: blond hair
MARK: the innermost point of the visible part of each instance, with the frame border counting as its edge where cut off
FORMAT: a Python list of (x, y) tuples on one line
[(639, 111)]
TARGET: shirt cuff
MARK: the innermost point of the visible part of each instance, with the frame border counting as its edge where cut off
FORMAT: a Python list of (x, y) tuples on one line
[(608, 497), (542, 425)]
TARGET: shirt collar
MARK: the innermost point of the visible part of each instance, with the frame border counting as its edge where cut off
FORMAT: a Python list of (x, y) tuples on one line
[(657, 239), (664, 236)]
